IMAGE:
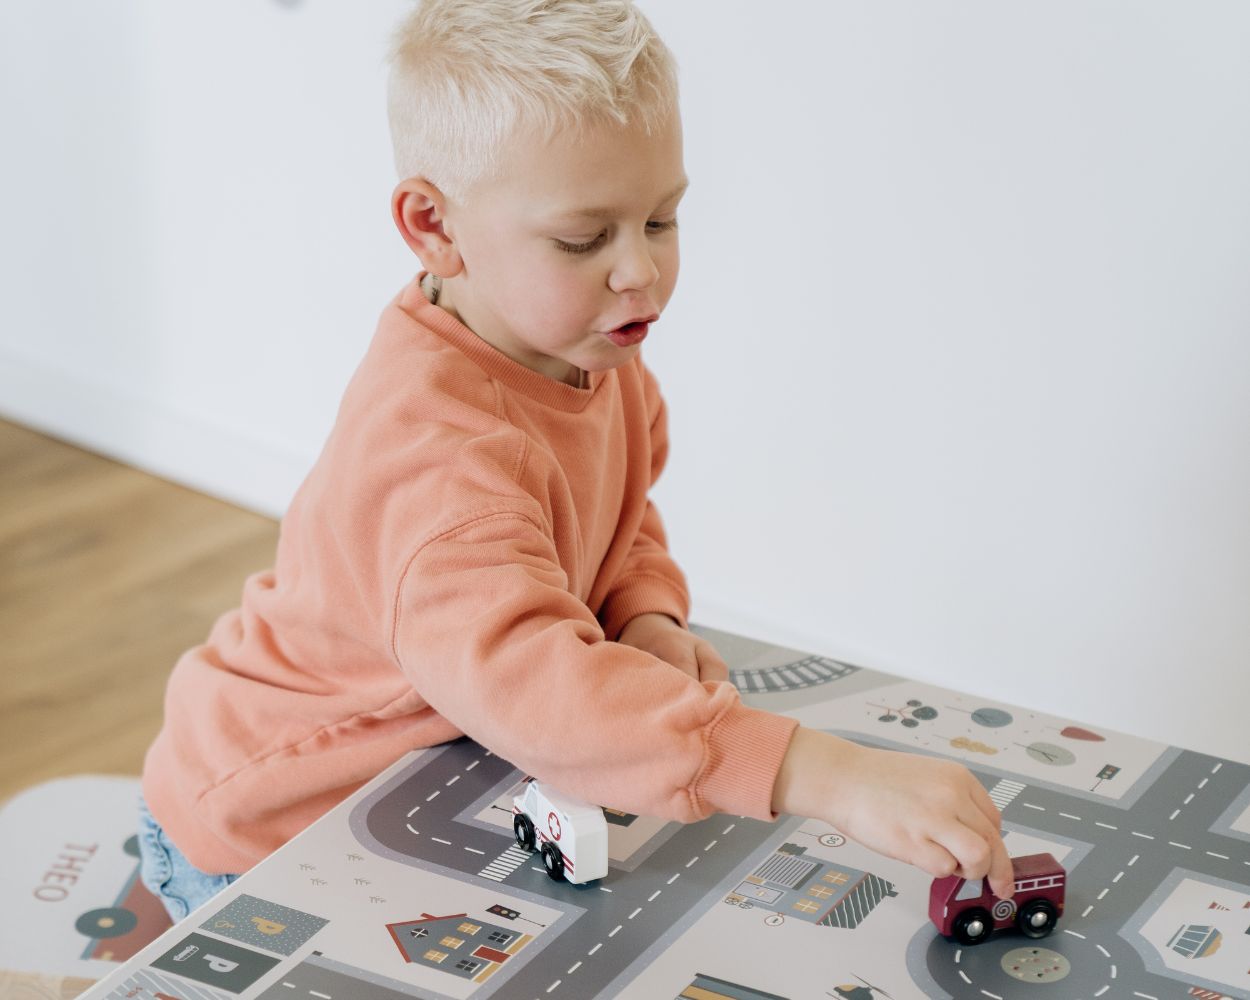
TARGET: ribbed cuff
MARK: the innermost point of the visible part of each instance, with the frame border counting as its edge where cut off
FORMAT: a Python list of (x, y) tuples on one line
[(744, 754), (639, 594)]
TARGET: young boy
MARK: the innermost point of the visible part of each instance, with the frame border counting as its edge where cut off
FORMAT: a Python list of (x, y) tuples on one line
[(474, 551)]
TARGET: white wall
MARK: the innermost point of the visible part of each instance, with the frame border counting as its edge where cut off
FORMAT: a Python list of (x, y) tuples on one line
[(958, 368)]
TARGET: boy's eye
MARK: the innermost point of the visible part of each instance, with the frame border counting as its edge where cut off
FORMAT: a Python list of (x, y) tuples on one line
[(653, 228), (580, 247)]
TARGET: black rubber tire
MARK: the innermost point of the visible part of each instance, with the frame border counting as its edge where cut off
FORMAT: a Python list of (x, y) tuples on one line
[(523, 830), (973, 927), (1029, 911), (553, 861)]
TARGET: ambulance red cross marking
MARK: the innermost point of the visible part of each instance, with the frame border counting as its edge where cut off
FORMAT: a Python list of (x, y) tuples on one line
[(553, 824)]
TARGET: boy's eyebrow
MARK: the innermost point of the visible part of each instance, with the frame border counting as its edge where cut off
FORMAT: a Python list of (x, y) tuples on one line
[(607, 213)]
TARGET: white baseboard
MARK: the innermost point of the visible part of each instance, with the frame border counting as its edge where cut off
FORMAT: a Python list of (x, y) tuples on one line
[(156, 438)]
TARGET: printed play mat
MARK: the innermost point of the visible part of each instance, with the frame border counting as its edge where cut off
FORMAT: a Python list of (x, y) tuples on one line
[(415, 886)]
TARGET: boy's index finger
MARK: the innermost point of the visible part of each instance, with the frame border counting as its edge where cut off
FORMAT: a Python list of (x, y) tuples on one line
[(1002, 875)]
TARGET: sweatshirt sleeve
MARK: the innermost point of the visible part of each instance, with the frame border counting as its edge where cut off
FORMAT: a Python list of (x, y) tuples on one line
[(649, 580), (490, 637)]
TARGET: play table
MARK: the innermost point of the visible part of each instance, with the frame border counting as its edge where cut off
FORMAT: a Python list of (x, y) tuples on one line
[(415, 887)]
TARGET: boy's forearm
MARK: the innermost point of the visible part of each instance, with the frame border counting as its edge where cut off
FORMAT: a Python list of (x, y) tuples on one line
[(810, 772)]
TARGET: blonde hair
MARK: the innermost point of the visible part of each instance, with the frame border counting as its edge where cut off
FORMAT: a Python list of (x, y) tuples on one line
[(466, 75)]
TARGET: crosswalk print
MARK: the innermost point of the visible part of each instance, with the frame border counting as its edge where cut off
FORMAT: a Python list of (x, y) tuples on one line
[(504, 865), (1004, 792)]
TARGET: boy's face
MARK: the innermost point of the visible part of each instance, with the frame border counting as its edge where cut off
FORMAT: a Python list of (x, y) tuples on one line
[(567, 257)]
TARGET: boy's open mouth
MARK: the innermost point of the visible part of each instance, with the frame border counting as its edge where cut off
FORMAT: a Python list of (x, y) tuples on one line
[(629, 334)]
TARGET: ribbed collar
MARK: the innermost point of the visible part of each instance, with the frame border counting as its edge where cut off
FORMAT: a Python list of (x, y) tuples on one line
[(496, 364)]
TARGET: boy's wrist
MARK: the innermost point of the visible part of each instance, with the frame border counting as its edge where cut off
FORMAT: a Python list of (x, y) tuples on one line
[(810, 773)]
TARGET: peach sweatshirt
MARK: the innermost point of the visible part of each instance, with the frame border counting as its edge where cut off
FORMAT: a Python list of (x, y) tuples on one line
[(459, 560)]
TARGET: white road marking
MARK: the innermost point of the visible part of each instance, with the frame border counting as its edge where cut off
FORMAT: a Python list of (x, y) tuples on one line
[(595, 948), (958, 954), (964, 976), (1144, 996), (289, 986), (651, 898), (1105, 953), (1217, 767), (1189, 798), (612, 932), (1030, 805), (1203, 782), (1103, 893), (475, 850), (1222, 857), (992, 996), (412, 830), (433, 794), (604, 888), (554, 985), (1074, 934), (1175, 813), (1105, 826), (634, 914), (710, 846), (1070, 816), (1134, 860), (454, 779), (673, 879), (412, 810), (1144, 836), (576, 966), (1117, 878), (1175, 844), (692, 861), (1087, 909), (323, 996), (1103, 990), (440, 840), (472, 766), (728, 828), (1113, 971)]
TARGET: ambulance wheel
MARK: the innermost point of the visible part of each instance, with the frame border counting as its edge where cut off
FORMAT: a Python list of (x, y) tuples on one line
[(973, 927), (553, 861), (1037, 919), (523, 830)]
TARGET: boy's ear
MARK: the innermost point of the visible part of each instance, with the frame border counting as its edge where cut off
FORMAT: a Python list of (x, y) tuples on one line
[(419, 210)]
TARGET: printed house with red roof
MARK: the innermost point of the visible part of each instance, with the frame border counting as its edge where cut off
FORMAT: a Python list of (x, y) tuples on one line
[(469, 948)]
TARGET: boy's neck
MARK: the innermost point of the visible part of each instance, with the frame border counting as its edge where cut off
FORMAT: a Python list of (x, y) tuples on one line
[(432, 288)]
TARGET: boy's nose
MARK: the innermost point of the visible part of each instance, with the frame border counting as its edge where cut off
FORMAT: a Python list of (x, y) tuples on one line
[(634, 269)]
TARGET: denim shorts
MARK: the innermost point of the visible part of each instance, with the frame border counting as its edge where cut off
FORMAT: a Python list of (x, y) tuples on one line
[(168, 875)]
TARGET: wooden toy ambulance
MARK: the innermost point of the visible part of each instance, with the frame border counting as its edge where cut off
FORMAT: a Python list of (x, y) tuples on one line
[(966, 910), (571, 834)]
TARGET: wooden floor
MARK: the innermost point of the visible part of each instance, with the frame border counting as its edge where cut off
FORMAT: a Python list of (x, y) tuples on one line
[(106, 575)]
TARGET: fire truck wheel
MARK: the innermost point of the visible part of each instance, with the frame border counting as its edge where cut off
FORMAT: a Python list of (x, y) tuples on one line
[(973, 927), (523, 830), (1037, 919), (553, 862)]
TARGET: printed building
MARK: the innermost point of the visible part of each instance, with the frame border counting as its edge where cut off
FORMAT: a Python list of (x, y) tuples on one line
[(1196, 941), (471, 949), (831, 895), (705, 987)]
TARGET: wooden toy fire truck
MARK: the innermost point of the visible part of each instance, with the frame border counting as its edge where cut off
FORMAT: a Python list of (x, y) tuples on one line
[(571, 834), (967, 911)]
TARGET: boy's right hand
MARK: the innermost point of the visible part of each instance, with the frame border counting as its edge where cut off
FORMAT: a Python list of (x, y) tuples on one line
[(927, 812)]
